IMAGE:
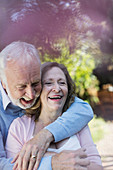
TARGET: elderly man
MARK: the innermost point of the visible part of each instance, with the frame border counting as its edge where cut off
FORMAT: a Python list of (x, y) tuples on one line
[(20, 88)]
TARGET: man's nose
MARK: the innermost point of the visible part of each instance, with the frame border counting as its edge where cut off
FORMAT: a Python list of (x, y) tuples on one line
[(30, 92)]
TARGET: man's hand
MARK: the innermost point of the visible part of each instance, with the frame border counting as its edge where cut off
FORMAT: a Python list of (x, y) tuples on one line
[(37, 146), (70, 160)]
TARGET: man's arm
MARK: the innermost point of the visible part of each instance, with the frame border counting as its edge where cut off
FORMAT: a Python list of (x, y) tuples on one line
[(4, 163), (72, 121), (66, 159)]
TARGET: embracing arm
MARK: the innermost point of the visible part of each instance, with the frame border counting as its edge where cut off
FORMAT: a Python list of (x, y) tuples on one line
[(71, 121), (4, 162), (63, 160), (17, 135), (76, 117)]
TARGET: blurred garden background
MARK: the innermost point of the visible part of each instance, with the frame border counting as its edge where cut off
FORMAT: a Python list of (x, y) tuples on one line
[(78, 34)]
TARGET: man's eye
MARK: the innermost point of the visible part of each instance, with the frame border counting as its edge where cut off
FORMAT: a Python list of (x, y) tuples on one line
[(35, 84), (21, 88)]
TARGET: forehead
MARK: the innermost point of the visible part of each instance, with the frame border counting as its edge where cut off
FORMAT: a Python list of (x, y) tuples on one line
[(53, 73), (23, 72)]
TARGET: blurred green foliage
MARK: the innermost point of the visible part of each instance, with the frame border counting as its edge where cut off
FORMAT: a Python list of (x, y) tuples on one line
[(98, 128)]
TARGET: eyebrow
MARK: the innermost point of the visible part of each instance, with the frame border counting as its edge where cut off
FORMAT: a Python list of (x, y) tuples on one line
[(23, 84), (50, 79)]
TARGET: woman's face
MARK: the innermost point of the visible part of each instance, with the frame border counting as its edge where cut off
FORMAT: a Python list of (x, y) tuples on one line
[(54, 89)]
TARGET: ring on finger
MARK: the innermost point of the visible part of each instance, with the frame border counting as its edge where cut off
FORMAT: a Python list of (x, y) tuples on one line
[(33, 156)]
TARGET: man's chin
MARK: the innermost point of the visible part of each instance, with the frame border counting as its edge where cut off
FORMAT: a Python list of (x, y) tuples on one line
[(26, 105)]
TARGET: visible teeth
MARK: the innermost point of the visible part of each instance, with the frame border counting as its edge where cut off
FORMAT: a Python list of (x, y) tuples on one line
[(25, 98), (56, 97)]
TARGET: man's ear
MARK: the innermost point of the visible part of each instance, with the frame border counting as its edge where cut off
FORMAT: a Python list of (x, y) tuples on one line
[(3, 84)]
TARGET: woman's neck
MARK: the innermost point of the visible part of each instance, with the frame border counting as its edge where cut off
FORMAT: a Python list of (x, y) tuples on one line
[(45, 118), (48, 117)]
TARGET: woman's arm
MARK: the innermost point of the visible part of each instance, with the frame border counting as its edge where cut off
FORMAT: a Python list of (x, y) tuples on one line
[(87, 143)]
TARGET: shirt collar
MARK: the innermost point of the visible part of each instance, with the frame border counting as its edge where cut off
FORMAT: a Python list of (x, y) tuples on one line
[(5, 97)]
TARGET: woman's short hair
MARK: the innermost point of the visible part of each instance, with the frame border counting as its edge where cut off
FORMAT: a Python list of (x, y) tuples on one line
[(35, 110)]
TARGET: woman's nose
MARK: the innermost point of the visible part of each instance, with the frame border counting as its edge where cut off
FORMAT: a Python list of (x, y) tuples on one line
[(56, 88)]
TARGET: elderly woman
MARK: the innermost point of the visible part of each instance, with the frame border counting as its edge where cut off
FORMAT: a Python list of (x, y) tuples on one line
[(58, 93)]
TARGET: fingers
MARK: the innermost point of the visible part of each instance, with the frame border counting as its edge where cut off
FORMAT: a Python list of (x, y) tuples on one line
[(70, 160), (15, 158), (32, 163), (39, 156), (80, 153), (32, 159), (36, 146), (80, 168), (18, 162), (83, 162), (15, 166), (24, 161)]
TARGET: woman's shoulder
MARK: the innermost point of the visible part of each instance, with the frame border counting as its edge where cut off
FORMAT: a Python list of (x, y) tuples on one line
[(21, 122), (23, 119), (23, 127)]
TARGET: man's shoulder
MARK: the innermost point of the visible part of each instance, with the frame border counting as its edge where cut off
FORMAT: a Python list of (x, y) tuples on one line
[(0, 99), (1, 104)]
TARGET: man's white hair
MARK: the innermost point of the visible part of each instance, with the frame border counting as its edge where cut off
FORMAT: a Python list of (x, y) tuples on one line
[(17, 51)]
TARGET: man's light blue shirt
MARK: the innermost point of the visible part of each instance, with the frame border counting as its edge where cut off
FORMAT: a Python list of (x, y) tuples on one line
[(72, 121)]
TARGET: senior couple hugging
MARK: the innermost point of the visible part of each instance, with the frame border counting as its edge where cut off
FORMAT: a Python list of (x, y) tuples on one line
[(43, 125)]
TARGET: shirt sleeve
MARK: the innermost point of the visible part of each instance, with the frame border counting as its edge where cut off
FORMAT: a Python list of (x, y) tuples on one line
[(4, 162), (86, 142), (45, 163), (71, 121)]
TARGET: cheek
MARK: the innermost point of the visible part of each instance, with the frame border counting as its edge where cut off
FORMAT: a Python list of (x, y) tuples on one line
[(65, 91), (16, 94), (44, 93), (46, 89), (38, 89)]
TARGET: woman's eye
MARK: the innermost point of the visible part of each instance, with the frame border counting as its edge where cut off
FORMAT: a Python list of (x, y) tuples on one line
[(48, 83), (62, 82)]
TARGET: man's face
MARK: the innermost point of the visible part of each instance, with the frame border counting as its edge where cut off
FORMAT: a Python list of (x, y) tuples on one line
[(23, 83)]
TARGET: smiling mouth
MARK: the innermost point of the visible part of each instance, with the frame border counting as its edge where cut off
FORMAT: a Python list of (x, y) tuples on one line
[(55, 97), (25, 102)]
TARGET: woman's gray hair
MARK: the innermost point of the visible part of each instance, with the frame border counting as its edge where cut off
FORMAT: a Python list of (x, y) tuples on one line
[(17, 51)]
